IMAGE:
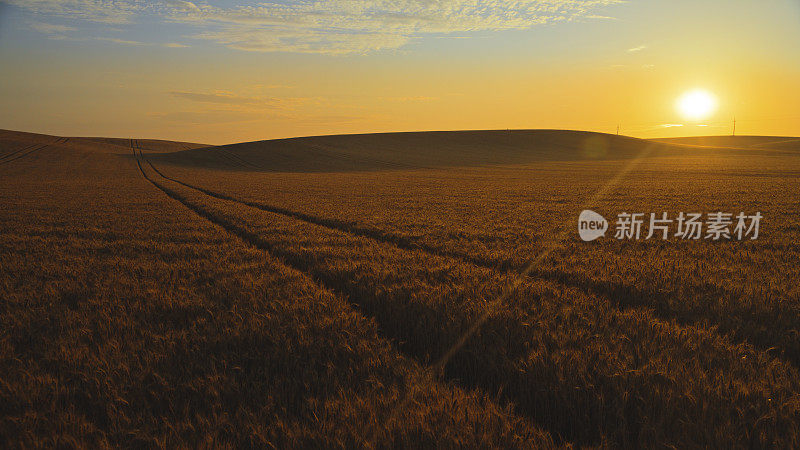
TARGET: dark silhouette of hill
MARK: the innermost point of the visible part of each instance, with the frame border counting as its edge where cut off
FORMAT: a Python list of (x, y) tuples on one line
[(414, 150), (441, 149), (18, 143), (399, 151)]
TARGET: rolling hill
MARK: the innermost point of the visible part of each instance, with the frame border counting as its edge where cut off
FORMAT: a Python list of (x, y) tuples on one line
[(400, 151)]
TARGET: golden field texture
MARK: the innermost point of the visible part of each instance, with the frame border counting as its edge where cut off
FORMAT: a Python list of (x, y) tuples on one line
[(395, 290)]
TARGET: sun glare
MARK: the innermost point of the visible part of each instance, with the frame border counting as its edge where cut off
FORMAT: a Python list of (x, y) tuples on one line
[(697, 104)]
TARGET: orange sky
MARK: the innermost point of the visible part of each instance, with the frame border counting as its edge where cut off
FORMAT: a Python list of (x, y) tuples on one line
[(212, 73)]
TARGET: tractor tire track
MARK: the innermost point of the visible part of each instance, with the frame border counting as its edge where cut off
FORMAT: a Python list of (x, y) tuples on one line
[(622, 295), (228, 226), (17, 151), (288, 260), (507, 394), (61, 140), (293, 261), (27, 147)]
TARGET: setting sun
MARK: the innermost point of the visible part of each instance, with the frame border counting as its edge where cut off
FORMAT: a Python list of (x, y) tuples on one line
[(697, 104)]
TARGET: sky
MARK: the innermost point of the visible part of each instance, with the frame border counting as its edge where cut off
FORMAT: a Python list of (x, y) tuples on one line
[(219, 72)]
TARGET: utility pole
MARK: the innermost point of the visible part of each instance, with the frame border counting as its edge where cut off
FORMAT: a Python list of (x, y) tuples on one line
[(617, 130), (734, 126)]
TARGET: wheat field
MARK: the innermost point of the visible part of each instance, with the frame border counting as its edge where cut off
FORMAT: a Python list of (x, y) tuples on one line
[(404, 290)]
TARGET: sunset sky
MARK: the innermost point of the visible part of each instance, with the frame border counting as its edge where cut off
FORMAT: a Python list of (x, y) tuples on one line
[(228, 71)]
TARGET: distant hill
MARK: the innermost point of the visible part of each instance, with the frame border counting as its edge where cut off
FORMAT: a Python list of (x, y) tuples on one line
[(397, 151), (12, 141)]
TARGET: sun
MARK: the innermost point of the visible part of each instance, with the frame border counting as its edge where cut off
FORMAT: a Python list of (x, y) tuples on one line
[(696, 104)]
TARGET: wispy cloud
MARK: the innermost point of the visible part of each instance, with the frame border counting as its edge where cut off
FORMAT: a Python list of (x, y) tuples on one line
[(249, 38), (236, 107), (103, 11), (418, 98), (184, 6), (600, 17), (49, 28), (133, 42), (113, 40), (357, 26), (637, 49), (227, 98), (119, 41), (327, 26), (271, 86), (332, 119), (206, 117), (65, 33), (223, 98)]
